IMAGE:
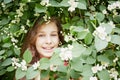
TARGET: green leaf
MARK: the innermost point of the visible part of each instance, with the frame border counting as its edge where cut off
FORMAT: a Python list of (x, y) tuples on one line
[(116, 18), (7, 45), (7, 1), (7, 62), (2, 52), (103, 58), (115, 39), (10, 68), (78, 49), (87, 72), (54, 3), (117, 53), (74, 74), (116, 30), (17, 51), (27, 56), (100, 17), (90, 60), (100, 44), (103, 75), (4, 21), (62, 68), (64, 3), (81, 4), (55, 60), (39, 8), (82, 34), (44, 63), (76, 64), (108, 27), (87, 52), (31, 73), (19, 73), (3, 71), (88, 39)]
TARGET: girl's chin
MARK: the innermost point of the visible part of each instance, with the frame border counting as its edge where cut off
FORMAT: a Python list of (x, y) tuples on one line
[(47, 55)]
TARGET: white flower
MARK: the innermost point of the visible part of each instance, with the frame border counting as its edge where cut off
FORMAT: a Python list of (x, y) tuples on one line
[(104, 11), (114, 5), (112, 24), (73, 5), (100, 32), (36, 65), (104, 65), (23, 65), (15, 63), (96, 68), (66, 54), (108, 38), (113, 73), (93, 78), (116, 59), (45, 2), (53, 67)]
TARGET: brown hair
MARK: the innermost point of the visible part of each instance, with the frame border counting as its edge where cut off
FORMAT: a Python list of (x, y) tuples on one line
[(30, 38)]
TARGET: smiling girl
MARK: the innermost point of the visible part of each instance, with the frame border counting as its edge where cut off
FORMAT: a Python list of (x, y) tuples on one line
[(42, 39)]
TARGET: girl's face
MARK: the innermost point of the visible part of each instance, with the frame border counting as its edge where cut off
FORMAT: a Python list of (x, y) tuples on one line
[(47, 40)]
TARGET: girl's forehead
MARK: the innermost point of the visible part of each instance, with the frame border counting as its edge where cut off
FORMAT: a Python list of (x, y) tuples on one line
[(48, 27)]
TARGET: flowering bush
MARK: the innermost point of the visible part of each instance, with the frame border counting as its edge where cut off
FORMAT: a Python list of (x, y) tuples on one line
[(92, 34)]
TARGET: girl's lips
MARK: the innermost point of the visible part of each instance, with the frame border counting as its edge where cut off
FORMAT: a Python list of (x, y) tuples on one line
[(48, 49)]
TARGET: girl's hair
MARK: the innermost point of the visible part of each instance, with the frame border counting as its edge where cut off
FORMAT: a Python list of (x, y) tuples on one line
[(30, 38)]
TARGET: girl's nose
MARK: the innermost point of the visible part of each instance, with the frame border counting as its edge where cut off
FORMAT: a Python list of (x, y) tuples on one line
[(48, 40)]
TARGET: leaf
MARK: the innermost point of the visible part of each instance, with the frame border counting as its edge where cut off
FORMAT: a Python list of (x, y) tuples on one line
[(2, 52), (88, 39), (44, 63), (108, 27), (64, 3), (19, 73), (78, 49), (87, 72), (39, 8), (17, 51), (7, 45), (76, 64), (7, 1), (27, 56), (87, 52), (90, 60), (54, 3), (62, 68), (100, 17), (81, 4), (100, 44), (10, 68), (103, 75), (31, 73), (3, 71), (103, 58), (115, 39), (55, 60), (117, 53), (4, 21), (82, 34), (116, 30), (116, 18), (7, 62)]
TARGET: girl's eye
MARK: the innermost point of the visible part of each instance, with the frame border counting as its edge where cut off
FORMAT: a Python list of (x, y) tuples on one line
[(41, 35), (53, 34)]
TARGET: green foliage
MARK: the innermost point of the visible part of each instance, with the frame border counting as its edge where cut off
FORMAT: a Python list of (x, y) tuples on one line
[(27, 56), (92, 27)]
